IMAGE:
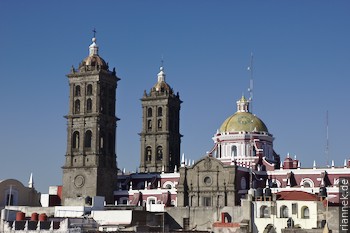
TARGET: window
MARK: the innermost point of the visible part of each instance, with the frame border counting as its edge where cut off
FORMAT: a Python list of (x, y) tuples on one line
[(149, 112), (75, 142), (88, 137), (294, 208), (160, 111), (77, 91), (233, 151), (264, 212), (89, 105), (206, 201), (159, 153), (77, 107), (89, 89), (159, 123), (307, 183), (148, 153), (284, 211), (149, 124), (305, 213)]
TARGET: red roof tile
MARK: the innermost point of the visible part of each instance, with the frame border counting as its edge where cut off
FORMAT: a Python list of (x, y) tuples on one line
[(296, 195)]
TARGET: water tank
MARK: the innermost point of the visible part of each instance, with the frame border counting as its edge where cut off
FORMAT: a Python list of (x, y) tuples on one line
[(259, 192), (20, 216), (34, 217), (268, 192), (323, 192), (42, 217)]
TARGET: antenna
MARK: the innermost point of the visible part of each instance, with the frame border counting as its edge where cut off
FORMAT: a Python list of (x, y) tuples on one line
[(327, 141), (250, 89)]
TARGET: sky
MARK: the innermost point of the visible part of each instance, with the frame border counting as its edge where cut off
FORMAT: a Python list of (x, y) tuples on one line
[(301, 57)]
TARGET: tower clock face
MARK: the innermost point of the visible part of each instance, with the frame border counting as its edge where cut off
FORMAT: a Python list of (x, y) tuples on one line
[(79, 181)]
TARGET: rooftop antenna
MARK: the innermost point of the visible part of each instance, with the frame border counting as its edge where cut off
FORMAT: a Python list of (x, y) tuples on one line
[(250, 89), (327, 141)]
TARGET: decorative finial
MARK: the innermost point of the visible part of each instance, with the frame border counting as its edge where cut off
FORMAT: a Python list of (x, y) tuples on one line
[(93, 48)]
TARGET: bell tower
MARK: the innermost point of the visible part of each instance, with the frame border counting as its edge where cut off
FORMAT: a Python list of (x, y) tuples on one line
[(160, 136), (90, 162)]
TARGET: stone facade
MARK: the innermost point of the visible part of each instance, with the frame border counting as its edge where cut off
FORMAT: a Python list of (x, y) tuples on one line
[(90, 165), (208, 183)]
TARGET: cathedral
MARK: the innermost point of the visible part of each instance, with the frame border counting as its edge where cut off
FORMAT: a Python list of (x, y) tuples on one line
[(240, 185)]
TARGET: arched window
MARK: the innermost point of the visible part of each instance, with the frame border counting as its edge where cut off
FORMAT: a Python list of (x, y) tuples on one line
[(89, 89), (305, 213), (233, 151), (284, 211), (160, 124), (149, 124), (77, 107), (148, 153), (160, 111), (264, 212), (88, 137), (149, 112), (307, 183), (77, 91), (75, 140), (89, 105), (159, 153)]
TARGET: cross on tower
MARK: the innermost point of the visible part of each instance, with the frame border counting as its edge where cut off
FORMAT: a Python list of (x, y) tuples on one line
[(94, 31)]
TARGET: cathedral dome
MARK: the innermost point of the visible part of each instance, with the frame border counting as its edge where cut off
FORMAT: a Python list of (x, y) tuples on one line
[(93, 60), (161, 85), (243, 120)]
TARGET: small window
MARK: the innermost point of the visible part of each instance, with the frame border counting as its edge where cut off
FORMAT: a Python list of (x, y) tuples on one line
[(89, 105), (148, 153), (294, 208), (284, 211), (264, 212), (149, 124), (75, 140), (160, 123), (233, 151), (89, 89), (77, 107), (305, 213), (149, 112), (206, 201), (77, 91), (159, 153), (160, 111), (88, 137)]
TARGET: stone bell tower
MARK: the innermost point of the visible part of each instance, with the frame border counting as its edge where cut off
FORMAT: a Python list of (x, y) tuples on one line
[(90, 163), (160, 136)]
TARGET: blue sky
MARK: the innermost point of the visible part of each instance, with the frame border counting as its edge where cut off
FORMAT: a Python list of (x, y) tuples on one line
[(301, 70)]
